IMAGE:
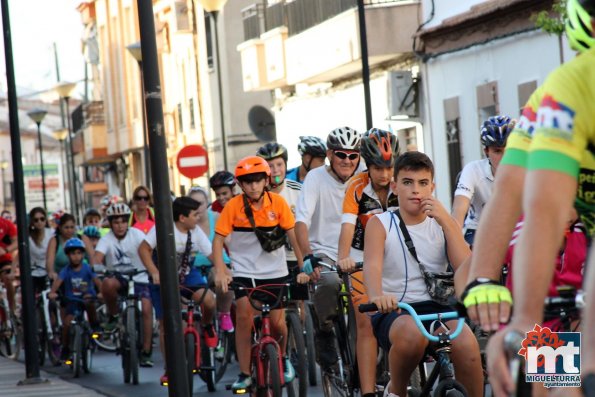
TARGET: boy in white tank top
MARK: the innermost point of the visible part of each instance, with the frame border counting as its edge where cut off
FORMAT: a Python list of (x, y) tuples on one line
[(392, 274)]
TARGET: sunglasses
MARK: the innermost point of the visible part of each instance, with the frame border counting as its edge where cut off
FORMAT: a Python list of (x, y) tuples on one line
[(200, 203), (141, 198), (345, 155), (38, 219)]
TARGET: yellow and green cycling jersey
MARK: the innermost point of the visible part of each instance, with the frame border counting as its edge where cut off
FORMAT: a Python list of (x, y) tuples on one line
[(556, 131)]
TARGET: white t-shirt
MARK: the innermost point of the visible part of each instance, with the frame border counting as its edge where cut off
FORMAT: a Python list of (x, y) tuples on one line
[(476, 183), (123, 252), (320, 207), (38, 253), (200, 243), (291, 193), (401, 276)]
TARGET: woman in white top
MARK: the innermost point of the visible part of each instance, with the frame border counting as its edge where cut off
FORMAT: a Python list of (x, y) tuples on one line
[(39, 238)]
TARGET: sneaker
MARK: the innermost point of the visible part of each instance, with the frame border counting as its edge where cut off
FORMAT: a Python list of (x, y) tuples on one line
[(111, 324), (325, 347), (164, 380), (210, 336), (145, 359), (244, 382), (225, 322), (288, 371)]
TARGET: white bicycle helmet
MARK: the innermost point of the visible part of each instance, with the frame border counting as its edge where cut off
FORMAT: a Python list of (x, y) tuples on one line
[(119, 209), (343, 138)]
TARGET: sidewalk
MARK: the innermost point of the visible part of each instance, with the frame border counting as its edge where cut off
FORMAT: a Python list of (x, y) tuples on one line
[(12, 372)]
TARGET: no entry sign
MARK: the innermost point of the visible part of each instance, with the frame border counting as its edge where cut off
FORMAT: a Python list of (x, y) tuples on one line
[(193, 161)]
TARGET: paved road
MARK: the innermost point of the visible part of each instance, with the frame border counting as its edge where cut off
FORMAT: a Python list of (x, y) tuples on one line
[(106, 378)]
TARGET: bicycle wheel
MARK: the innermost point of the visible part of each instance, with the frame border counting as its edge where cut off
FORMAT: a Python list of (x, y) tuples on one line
[(223, 353), (296, 351), (190, 346), (310, 347), (10, 335), (55, 342), (207, 368), (107, 340), (132, 336), (272, 375), (88, 350), (42, 334), (450, 388), (330, 383), (77, 350)]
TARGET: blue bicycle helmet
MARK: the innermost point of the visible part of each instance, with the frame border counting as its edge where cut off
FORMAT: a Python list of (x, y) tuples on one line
[(92, 232), (73, 244), (495, 131)]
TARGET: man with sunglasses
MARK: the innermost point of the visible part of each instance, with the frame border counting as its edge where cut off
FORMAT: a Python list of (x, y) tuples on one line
[(318, 225)]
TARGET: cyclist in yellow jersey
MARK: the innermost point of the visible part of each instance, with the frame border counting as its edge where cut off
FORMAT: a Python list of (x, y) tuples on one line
[(564, 129)]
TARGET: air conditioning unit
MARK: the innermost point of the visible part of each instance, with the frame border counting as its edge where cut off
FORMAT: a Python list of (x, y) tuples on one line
[(402, 94)]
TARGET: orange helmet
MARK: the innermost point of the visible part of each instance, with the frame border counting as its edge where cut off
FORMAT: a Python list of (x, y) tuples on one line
[(252, 165)]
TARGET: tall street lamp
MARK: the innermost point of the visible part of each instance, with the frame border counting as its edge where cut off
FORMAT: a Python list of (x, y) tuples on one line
[(3, 167), (135, 51), (213, 7), (60, 136), (64, 90), (38, 115)]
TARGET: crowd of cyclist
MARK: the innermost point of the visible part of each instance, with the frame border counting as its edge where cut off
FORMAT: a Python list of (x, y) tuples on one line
[(355, 197)]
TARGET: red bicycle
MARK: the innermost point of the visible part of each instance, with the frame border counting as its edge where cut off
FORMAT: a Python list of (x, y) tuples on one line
[(266, 361), (199, 357)]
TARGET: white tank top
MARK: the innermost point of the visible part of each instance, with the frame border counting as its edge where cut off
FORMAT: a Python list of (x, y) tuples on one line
[(401, 276)]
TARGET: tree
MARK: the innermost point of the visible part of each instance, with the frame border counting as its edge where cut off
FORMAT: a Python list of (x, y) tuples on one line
[(552, 21)]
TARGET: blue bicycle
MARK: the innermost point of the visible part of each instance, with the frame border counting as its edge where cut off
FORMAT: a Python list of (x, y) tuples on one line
[(440, 350)]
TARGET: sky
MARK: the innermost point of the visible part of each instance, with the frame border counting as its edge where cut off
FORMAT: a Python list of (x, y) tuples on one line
[(36, 25)]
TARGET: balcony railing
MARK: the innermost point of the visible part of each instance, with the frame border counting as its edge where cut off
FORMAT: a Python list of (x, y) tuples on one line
[(254, 21), (297, 15), (275, 16)]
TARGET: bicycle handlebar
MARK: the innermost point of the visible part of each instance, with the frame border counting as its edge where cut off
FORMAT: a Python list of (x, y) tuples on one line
[(418, 318), (334, 268), (263, 288), (128, 271), (571, 302)]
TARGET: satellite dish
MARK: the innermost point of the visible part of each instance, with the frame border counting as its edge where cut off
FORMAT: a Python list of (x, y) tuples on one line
[(262, 123)]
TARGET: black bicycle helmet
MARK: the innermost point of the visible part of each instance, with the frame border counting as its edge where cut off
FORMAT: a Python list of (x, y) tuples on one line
[(312, 145), (222, 178), (379, 147), (272, 150)]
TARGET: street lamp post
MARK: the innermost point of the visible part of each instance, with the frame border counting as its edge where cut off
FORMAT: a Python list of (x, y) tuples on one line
[(60, 136), (64, 90), (213, 7), (38, 115), (3, 167), (135, 50)]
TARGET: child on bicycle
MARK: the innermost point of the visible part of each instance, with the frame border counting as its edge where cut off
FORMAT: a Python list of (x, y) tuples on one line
[(392, 274), (254, 264), (80, 282), (190, 240), (119, 249)]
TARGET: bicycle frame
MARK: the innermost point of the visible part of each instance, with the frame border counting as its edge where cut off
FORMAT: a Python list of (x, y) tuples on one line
[(443, 370), (262, 338), (193, 313)]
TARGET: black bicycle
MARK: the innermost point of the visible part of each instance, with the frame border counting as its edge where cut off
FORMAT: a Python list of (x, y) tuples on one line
[(130, 330), (565, 309), (443, 370), (81, 337), (342, 379)]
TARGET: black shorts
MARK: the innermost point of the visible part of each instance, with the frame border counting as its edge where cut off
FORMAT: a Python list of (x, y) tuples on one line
[(297, 291), (270, 296), (381, 322)]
